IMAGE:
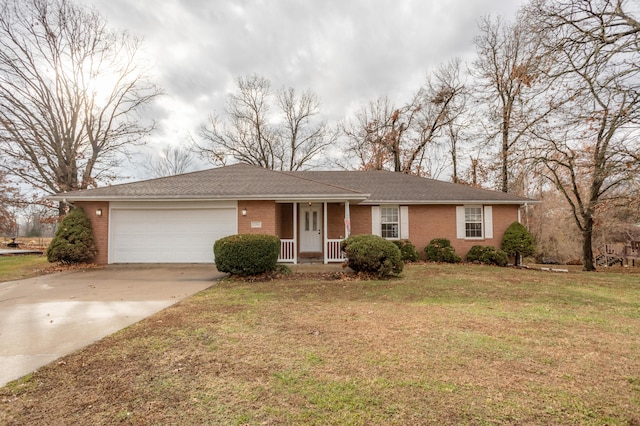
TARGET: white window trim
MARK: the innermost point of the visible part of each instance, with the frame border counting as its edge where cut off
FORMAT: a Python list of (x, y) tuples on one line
[(403, 221), (486, 221), (391, 206)]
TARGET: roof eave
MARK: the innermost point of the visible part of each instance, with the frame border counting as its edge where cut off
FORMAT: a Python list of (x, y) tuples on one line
[(287, 197), (451, 202)]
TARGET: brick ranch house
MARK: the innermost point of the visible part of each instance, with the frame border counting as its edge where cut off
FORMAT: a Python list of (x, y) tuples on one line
[(177, 219)]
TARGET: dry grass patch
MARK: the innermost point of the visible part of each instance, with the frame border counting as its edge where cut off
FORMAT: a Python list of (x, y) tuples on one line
[(444, 344), (23, 266)]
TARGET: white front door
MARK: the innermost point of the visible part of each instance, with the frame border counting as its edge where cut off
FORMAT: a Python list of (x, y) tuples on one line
[(311, 228)]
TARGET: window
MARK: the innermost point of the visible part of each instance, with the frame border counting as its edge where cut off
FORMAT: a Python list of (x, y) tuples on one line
[(473, 222), (389, 222)]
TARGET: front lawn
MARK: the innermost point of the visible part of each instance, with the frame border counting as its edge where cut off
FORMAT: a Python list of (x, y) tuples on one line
[(445, 344), (18, 267)]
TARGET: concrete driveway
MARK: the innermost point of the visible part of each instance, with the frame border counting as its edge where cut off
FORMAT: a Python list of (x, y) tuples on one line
[(44, 318)]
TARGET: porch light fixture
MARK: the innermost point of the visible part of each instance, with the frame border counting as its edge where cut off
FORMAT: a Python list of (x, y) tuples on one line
[(99, 212), (244, 212)]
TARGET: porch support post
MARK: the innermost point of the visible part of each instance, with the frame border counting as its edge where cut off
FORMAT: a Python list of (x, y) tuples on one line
[(325, 235), (295, 233), (347, 219)]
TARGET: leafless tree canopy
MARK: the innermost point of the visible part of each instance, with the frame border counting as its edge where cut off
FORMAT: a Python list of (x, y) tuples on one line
[(400, 138), (279, 132), (170, 161), (589, 149), (507, 69), (70, 93)]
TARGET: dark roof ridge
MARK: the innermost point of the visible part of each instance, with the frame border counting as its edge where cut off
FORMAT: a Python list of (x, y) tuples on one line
[(156, 179), (296, 173)]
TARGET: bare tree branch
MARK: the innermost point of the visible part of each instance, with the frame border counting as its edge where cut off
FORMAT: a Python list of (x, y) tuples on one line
[(290, 138), (70, 94)]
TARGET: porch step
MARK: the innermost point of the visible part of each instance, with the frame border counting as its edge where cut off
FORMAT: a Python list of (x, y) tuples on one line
[(318, 267), (308, 260)]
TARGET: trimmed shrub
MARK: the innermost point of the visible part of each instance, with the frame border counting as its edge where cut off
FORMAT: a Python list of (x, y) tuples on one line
[(372, 254), (247, 254), (73, 241), (440, 250), (517, 240), (408, 251), (487, 255)]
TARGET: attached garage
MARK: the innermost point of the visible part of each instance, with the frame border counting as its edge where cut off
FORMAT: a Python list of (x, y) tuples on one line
[(168, 232)]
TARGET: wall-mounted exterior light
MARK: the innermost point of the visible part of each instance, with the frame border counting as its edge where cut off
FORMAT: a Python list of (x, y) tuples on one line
[(99, 212), (244, 212)]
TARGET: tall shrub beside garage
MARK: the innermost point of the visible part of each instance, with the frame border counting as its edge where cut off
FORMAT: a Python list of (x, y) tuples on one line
[(73, 241), (247, 254)]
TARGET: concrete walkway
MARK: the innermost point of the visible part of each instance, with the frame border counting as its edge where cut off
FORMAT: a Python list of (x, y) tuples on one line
[(44, 318), (4, 251)]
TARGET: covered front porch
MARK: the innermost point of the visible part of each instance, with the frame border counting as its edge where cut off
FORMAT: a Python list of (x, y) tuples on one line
[(311, 231)]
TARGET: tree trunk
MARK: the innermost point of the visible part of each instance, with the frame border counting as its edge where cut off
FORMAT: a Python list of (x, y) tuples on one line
[(587, 249), (62, 208), (505, 163)]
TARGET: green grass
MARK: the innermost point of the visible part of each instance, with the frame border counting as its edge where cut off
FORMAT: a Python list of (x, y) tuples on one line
[(443, 344), (22, 266)]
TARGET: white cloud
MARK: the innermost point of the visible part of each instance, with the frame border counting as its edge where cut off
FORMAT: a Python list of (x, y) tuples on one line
[(347, 52)]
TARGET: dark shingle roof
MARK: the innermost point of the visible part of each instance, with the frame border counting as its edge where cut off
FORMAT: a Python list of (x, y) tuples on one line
[(242, 181), (236, 181), (386, 186)]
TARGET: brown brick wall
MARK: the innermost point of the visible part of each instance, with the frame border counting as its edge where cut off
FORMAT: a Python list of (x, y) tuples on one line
[(360, 219), (262, 211), (284, 221), (428, 222), (100, 225), (335, 220)]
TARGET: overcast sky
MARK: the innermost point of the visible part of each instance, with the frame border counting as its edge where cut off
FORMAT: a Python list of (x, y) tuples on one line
[(348, 52)]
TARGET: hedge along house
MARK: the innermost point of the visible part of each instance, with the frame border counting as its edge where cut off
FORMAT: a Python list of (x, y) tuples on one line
[(177, 219)]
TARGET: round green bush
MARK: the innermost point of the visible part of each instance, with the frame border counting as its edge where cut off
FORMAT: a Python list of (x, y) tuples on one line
[(487, 255), (247, 254), (408, 251), (440, 250), (73, 241), (517, 241), (372, 254)]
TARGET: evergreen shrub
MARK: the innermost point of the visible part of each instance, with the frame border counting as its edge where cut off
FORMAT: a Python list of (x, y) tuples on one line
[(73, 241), (487, 255), (247, 254), (408, 252), (517, 241), (372, 254), (440, 250)]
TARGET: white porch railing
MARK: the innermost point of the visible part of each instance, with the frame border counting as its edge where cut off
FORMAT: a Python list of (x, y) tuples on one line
[(287, 251), (333, 253)]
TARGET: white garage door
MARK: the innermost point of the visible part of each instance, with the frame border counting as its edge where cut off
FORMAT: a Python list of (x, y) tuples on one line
[(168, 233)]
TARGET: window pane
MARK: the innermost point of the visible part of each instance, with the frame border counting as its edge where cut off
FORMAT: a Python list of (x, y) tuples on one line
[(389, 230), (389, 214), (473, 214), (306, 221), (315, 221), (473, 230)]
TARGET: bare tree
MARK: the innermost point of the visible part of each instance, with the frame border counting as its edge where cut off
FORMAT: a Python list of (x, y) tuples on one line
[(70, 94), (170, 161), (383, 136), (374, 135), (589, 149), (9, 197), (281, 134), (507, 71)]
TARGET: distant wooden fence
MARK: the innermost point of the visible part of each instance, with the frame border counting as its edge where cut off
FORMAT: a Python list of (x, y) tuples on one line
[(622, 253)]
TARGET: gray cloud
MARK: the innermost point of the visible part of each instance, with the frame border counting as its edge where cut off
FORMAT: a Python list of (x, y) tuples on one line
[(348, 52)]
